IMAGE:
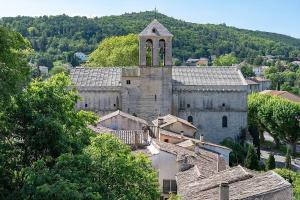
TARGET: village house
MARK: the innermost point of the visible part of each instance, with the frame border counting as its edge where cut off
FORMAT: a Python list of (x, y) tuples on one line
[(252, 86), (258, 84), (283, 94), (260, 70), (202, 62), (192, 168)]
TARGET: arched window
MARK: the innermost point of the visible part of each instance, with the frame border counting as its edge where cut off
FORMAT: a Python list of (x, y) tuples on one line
[(190, 119), (162, 52), (149, 52), (224, 121)]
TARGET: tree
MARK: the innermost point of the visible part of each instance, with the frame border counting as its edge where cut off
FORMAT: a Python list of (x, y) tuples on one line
[(270, 163), (293, 178), (14, 70), (285, 115), (225, 60), (247, 71), (58, 69), (251, 161), (43, 121), (276, 116), (116, 51), (106, 170), (255, 123), (238, 154), (174, 197), (288, 160)]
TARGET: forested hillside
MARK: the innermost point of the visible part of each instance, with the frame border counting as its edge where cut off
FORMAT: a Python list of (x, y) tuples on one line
[(59, 37)]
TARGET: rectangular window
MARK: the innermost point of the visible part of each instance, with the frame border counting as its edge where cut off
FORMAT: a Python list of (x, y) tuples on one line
[(128, 82), (169, 186)]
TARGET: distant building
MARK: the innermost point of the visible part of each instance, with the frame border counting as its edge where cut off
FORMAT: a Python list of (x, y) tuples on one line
[(43, 70), (202, 62), (252, 86), (258, 84), (259, 71), (296, 63), (81, 56), (192, 61), (284, 94), (197, 62)]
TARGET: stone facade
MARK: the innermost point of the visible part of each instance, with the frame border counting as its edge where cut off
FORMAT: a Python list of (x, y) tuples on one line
[(213, 99)]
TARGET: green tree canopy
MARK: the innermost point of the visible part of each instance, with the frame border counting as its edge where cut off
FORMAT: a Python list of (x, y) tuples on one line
[(270, 163), (277, 116), (14, 70), (116, 51), (251, 161), (293, 178), (225, 60), (40, 123), (247, 71), (48, 152), (106, 170)]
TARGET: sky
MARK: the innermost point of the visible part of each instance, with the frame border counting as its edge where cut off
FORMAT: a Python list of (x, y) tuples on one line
[(279, 16)]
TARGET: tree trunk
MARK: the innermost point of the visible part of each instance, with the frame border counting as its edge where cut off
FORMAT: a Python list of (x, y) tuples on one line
[(292, 147), (261, 136), (277, 142)]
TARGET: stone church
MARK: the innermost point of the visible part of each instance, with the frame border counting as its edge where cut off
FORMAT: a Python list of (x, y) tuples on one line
[(214, 99)]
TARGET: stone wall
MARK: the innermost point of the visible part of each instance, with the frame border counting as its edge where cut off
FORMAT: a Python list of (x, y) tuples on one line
[(179, 128), (207, 109), (147, 93), (122, 123), (284, 194), (99, 101)]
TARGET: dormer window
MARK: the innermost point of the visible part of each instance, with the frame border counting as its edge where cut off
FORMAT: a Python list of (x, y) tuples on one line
[(153, 30)]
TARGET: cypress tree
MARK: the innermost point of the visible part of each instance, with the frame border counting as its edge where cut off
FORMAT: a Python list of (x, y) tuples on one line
[(288, 160), (270, 164), (251, 161)]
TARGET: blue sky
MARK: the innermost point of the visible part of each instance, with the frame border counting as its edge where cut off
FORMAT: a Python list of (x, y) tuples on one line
[(280, 16)]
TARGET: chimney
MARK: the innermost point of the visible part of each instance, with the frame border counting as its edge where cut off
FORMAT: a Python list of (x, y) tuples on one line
[(160, 121), (224, 191), (201, 138), (181, 133)]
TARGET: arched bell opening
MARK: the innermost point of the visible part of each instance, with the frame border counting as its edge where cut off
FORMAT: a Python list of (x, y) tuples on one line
[(162, 52), (149, 52)]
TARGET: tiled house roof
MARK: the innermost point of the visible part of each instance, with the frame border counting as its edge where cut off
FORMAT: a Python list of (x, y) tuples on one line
[(283, 94), (96, 77), (207, 76), (207, 162), (182, 76), (243, 184), (160, 30), (170, 119), (123, 114)]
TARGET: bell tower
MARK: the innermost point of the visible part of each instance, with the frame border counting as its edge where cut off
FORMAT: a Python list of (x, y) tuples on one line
[(147, 90), (155, 46)]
